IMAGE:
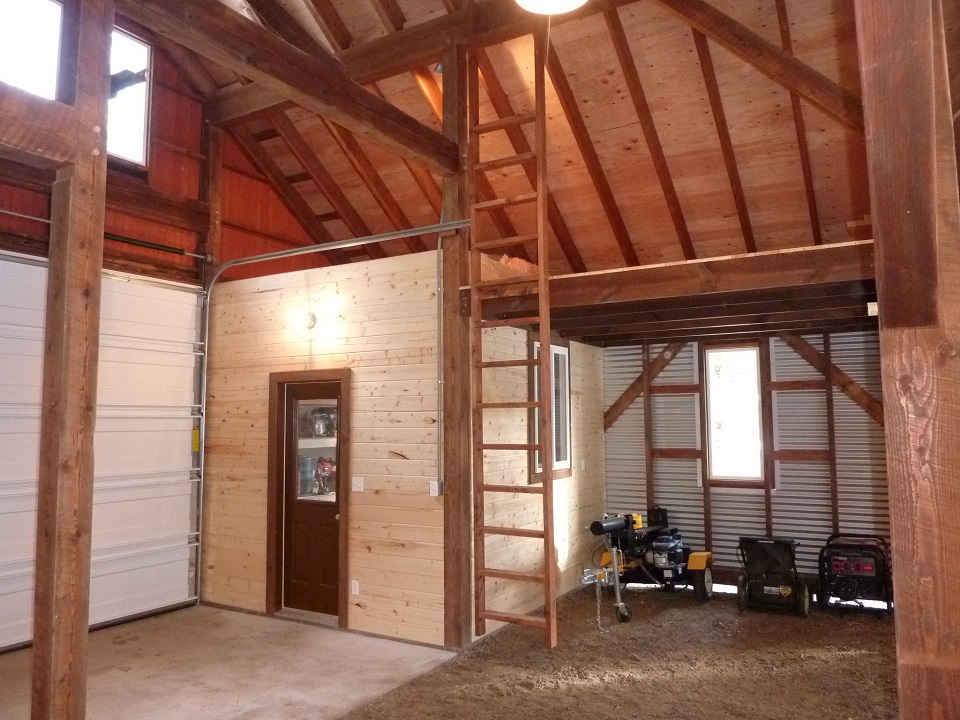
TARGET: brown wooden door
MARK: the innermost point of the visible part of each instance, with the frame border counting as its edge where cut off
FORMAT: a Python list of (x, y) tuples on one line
[(311, 568)]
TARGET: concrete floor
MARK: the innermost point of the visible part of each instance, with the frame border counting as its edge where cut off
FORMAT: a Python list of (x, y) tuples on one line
[(205, 663)]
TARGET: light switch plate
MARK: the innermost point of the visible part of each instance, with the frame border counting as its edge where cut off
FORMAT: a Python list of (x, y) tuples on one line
[(434, 488), (356, 483), (354, 587)]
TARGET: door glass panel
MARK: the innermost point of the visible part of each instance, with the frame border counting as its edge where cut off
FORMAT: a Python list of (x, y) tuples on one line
[(317, 436)]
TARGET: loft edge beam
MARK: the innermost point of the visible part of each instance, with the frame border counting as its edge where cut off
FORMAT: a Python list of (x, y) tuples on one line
[(36, 132), (315, 82)]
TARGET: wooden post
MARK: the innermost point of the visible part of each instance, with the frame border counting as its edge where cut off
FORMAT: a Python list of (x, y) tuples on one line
[(71, 348), (457, 567), (211, 192), (916, 215)]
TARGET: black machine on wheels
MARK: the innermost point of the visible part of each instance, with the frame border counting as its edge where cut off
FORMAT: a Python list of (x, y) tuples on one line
[(770, 578), (654, 554), (854, 568)]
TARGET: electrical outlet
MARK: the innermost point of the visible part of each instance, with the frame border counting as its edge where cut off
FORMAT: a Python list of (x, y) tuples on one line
[(354, 587), (356, 483), (434, 488)]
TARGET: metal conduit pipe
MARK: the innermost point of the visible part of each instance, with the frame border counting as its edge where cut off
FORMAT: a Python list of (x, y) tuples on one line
[(439, 229)]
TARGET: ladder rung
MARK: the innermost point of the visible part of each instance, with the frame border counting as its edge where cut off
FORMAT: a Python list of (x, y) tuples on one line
[(509, 322), (528, 362), (506, 122), (512, 575), (508, 405), (531, 620), (505, 201), (510, 446), (531, 489), (512, 532), (500, 243), (503, 162)]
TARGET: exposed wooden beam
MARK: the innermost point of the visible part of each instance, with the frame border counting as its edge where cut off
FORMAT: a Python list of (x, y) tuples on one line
[(190, 66), (955, 96), (315, 82), (391, 14), (276, 17), (800, 124), (323, 180), (635, 389), (34, 131), (375, 184), (649, 127), (781, 67), (69, 396), (455, 360), (288, 194), (738, 334), (852, 389), (243, 104), (330, 22), (211, 192), (726, 143), (833, 263), (916, 216), (568, 103)]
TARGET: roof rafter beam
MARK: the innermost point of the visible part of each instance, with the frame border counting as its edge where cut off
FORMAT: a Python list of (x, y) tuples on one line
[(315, 82)]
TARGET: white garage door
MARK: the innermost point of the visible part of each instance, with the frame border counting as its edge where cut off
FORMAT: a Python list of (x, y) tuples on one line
[(144, 522)]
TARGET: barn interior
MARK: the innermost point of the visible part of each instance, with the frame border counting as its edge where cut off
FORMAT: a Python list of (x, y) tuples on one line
[(359, 312)]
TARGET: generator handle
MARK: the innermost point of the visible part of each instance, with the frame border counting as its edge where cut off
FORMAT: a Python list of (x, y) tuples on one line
[(858, 536)]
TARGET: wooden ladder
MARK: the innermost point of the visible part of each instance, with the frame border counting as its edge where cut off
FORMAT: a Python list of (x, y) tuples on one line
[(540, 404)]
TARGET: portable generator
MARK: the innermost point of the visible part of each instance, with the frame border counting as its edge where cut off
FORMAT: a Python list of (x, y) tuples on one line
[(854, 568), (654, 554), (770, 579)]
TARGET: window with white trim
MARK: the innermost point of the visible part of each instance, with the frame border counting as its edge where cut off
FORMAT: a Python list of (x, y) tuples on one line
[(560, 364), (735, 447), (129, 103)]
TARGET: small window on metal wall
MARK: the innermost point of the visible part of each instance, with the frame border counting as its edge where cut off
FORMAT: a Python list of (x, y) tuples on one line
[(733, 415), (560, 362)]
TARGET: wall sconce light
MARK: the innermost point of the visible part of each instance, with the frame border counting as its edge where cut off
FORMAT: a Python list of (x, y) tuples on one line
[(309, 321), (550, 7)]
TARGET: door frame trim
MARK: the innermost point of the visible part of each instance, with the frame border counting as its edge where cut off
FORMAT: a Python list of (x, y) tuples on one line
[(275, 485)]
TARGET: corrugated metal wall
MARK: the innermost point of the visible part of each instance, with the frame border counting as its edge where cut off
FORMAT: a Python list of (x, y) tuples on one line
[(801, 506)]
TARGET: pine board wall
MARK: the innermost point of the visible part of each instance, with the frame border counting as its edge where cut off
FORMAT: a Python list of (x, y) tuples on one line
[(378, 318)]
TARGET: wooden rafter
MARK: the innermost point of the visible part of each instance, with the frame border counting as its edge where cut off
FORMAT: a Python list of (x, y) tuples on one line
[(639, 97), (371, 178), (781, 67), (726, 143), (801, 127), (330, 22), (200, 79), (315, 82), (850, 387), (289, 195), (391, 14), (323, 180), (571, 110), (635, 390), (276, 17)]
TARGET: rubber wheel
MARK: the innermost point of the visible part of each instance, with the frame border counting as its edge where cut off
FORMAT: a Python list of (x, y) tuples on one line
[(623, 613), (741, 592), (803, 608), (703, 584)]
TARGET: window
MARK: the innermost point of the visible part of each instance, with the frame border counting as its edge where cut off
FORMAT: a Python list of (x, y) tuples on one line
[(128, 106), (29, 59), (560, 363), (30, 45), (733, 414)]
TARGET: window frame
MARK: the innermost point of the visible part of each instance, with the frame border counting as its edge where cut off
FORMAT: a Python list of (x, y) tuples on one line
[(761, 482), (560, 469), (116, 162)]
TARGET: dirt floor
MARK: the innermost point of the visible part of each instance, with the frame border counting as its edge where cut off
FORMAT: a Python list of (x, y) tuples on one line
[(675, 659)]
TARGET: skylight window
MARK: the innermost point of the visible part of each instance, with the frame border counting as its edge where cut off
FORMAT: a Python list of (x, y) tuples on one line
[(30, 45)]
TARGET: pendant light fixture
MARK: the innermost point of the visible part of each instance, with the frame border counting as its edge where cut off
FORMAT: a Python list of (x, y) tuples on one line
[(550, 7)]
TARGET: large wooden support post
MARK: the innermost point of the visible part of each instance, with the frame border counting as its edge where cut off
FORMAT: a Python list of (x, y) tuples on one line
[(457, 566), (913, 189), (71, 345)]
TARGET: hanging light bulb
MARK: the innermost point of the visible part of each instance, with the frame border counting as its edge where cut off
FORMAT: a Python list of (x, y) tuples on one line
[(550, 7)]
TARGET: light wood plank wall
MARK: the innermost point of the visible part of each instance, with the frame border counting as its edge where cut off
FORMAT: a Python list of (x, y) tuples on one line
[(378, 318), (578, 500)]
